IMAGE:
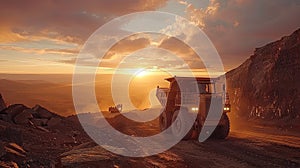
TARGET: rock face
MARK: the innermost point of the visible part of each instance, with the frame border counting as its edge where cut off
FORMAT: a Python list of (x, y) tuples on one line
[(2, 103), (267, 85)]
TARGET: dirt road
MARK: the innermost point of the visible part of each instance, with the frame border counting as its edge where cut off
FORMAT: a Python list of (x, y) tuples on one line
[(251, 147), (241, 150)]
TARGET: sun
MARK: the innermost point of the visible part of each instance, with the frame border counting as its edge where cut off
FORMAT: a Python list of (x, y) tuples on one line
[(141, 73)]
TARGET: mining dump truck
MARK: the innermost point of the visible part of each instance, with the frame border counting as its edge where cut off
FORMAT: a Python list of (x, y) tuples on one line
[(170, 99)]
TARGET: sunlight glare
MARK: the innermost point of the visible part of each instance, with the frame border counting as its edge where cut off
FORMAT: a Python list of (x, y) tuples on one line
[(141, 73)]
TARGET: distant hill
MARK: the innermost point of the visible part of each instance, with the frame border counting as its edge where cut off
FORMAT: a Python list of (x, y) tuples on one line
[(267, 85)]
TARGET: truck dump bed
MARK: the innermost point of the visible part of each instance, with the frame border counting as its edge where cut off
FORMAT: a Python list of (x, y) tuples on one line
[(162, 94)]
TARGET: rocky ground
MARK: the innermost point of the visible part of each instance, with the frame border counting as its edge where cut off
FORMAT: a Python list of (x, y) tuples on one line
[(36, 137), (247, 146)]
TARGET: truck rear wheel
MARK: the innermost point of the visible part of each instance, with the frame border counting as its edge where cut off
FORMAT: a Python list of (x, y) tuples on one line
[(198, 126), (179, 126), (222, 131)]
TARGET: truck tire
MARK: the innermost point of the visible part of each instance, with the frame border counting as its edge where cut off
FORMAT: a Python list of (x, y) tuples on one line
[(222, 131), (198, 126), (164, 120), (179, 127)]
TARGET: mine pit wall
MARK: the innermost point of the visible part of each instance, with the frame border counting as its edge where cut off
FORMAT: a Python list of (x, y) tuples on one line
[(267, 85)]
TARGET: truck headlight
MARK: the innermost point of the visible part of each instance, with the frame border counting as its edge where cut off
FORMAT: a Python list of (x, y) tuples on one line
[(195, 109), (226, 108)]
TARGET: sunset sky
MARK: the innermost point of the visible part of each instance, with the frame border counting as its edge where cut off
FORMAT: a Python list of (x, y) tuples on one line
[(46, 36)]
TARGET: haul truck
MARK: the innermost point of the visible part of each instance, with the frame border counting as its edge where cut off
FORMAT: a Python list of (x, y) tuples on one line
[(199, 102)]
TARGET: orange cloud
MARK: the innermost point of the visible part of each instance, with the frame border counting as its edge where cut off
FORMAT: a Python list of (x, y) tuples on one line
[(182, 50), (70, 20), (127, 46), (6, 35), (41, 51)]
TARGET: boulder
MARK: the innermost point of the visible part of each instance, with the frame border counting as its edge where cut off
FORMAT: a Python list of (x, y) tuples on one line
[(23, 117), (2, 103), (14, 153), (39, 121), (8, 164), (14, 110), (34, 113), (54, 121), (42, 112), (5, 117), (16, 149)]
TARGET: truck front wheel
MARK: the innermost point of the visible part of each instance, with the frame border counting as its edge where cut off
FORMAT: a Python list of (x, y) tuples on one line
[(178, 127), (222, 131)]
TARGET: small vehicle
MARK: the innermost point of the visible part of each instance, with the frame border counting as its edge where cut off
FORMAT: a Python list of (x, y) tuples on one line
[(117, 109), (170, 99)]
